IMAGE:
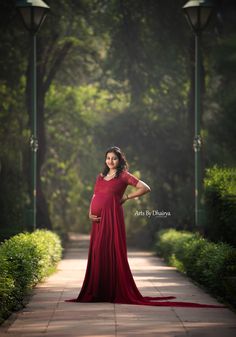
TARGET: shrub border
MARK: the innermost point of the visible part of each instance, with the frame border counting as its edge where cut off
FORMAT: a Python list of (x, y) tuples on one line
[(25, 260), (212, 265)]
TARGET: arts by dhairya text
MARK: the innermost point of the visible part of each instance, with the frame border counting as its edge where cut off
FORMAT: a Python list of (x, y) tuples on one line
[(152, 213)]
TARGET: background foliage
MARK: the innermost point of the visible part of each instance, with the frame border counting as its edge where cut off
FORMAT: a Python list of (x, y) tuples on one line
[(113, 73)]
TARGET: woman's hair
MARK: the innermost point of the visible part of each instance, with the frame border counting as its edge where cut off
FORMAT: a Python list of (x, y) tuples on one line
[(122, 166)]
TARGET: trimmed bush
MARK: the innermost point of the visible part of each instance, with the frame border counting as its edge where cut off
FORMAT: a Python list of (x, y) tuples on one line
[(7, 287), (169, 245), (220, 204), (48, 249), (25, 259), (211, 264)]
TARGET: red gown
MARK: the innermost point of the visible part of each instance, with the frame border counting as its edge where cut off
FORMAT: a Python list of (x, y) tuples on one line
[(108, 276)]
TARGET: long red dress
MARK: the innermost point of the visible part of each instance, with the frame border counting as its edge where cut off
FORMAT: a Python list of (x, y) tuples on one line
[(108, 277)]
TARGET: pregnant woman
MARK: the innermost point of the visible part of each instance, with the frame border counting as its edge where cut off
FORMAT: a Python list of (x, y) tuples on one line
[(108, 277)]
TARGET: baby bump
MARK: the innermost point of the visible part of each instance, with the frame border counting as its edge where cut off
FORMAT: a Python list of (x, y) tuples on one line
[(97, 204)]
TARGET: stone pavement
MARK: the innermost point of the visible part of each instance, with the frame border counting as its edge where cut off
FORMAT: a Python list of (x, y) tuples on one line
[(47, 315)]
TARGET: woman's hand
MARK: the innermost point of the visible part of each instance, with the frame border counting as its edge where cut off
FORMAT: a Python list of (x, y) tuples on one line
[(94, 218), (124, 199)]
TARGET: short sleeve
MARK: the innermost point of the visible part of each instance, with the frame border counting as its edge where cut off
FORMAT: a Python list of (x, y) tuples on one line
[(130, 179)]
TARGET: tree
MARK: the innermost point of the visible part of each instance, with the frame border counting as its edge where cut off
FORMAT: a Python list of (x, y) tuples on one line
[(65, 34)]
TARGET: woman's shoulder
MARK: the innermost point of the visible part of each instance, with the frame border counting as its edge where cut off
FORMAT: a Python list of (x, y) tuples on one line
[(129, 178), (99, 176), (125, 173)]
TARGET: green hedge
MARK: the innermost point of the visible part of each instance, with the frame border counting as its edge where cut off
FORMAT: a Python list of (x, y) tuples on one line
[(25, 259), (211, 264), (220, 204)]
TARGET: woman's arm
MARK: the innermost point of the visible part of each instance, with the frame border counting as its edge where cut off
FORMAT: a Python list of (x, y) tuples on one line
[(141, 189)]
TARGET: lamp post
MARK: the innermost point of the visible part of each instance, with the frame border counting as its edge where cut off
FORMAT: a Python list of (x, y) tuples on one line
[(33, 13), (198, 14)]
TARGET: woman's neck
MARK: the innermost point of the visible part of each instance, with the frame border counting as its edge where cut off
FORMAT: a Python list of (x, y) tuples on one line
[(111, 172)]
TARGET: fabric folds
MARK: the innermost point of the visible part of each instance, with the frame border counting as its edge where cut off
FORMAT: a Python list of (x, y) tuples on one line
[(108, 277)]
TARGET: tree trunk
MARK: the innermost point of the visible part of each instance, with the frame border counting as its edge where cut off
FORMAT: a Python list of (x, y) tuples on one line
[(46, 72), (191, 114), (43, 218)]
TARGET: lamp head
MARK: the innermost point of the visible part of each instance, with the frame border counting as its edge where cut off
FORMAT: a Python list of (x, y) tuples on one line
[(33, 13), (198, 13)]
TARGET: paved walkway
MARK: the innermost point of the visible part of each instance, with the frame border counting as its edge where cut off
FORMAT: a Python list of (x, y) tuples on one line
[(47, 315)]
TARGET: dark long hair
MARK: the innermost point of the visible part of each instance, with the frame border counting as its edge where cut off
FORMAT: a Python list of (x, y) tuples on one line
[(122, 166)]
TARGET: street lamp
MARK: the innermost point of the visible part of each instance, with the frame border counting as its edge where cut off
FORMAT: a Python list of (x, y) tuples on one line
[(33, 13), (198, 14)]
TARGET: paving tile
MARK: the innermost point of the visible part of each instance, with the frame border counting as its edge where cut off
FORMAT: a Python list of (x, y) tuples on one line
[(92, 327), (151, 329), (205, 315), (210, 330)]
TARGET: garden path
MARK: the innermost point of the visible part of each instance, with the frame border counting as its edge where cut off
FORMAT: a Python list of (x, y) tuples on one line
[(48, 315)]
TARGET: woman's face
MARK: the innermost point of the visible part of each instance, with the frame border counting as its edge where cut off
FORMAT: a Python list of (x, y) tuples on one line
[(112, 160)]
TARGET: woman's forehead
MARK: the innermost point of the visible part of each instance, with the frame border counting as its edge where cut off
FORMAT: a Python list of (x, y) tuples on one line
[(109, 154)]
